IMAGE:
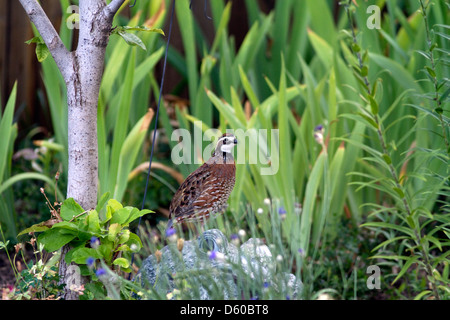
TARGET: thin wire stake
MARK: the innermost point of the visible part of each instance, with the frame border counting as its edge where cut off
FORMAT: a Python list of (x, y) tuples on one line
[(156, 122), (205, 8)]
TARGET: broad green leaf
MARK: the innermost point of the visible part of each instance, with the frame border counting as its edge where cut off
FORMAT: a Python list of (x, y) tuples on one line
[(39, 227), (81, 255), (112, 206), (121, 216), (136, 213), (42, 51), (93, 222), (124, 236), (66, 225), (69, 209), (55, 238), (113, 231), (122, 262), (134, 240), (132, 39)]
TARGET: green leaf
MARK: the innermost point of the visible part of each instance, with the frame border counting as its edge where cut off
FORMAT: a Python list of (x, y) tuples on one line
[(405, 268), (132, 39), (370, 120), (6, 122), (112, 206), (93, 222), (113, 231), (69, 209), (141, 28), (136, 213), (356, 47), (430, 72), (80, 255), (124, 236), (37, 39), (386, 225), (122, 262), (399, 191), (134, 240), (66, 225), (124, 248), (54, 238), (121, 216), (106, 250), (364, 71), (42, 52), (387, 159), (373, 105), (434, 240), (102, 201), (39, 227), (385, 243), (422, 294), (4, 245), (130, 148)]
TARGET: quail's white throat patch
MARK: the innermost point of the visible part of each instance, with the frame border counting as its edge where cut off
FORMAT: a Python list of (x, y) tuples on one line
[(228, 146)]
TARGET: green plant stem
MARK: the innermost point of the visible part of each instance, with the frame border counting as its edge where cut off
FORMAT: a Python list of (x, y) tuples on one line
[(435, 81), (393, 173), (7, 253)]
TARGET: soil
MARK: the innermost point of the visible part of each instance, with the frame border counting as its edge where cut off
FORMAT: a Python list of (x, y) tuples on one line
[(6, 271)]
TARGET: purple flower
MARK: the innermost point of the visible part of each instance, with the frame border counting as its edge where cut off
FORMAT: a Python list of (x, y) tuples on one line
[(100, 272), (266, 285), (90, 261), (288, 297), (234, 236), (281, 210), (213, 255), (318, 134), (301, 251), (216, 255), (170, 232), (282, 213), (95, 242)]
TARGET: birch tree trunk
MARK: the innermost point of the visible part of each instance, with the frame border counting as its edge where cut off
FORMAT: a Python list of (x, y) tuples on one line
[(82, 71)]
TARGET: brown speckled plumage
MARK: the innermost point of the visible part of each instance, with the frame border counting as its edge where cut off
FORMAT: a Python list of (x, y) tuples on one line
[(206, 190)]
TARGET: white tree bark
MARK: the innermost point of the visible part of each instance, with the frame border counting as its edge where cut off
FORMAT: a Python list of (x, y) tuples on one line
[(82, 71)]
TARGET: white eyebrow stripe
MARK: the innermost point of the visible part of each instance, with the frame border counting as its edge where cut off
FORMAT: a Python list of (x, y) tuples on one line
[(226, 137)]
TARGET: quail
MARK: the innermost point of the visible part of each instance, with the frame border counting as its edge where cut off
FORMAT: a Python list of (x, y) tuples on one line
[(205, 191)]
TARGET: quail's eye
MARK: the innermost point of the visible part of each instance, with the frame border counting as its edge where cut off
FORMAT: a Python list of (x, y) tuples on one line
[(225, 141)]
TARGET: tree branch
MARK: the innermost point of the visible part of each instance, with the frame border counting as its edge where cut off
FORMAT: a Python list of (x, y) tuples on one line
[(111, 9), (57, 49)]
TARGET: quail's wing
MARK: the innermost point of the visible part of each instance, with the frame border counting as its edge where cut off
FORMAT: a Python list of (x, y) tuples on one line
[(184, 202)]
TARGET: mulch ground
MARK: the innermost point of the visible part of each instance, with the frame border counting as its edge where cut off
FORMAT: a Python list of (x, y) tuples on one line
[(6, 271)]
